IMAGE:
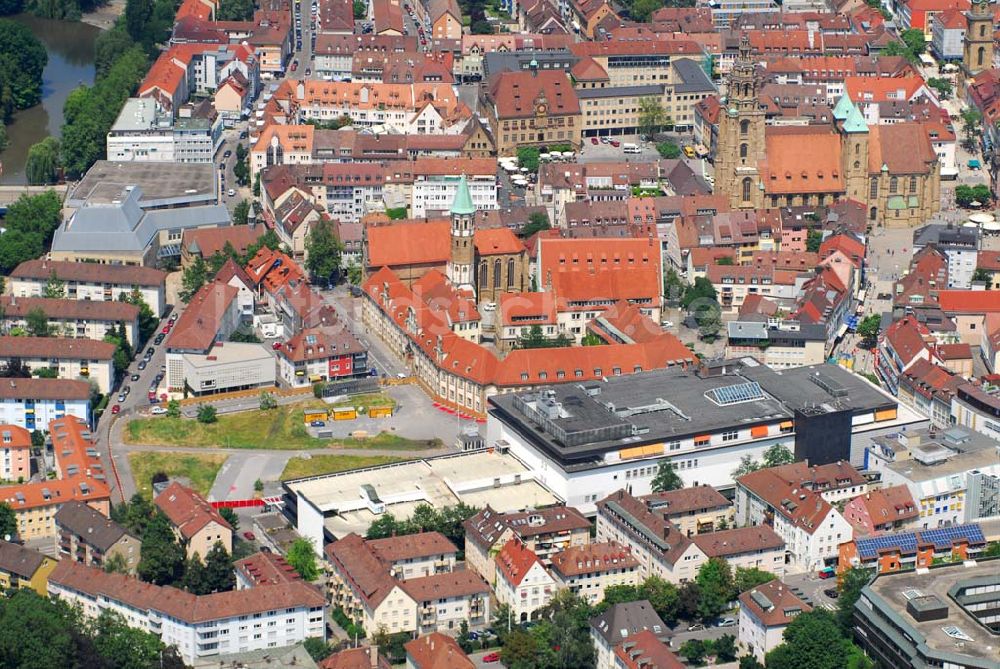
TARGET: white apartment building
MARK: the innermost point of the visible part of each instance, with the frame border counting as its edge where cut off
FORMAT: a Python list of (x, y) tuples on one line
[(522, 582), (267, 616), (810, 526), (145, 132), (84, 359), (34, 403), (435, 193), (90, 281), (765, 612), (587, 570)]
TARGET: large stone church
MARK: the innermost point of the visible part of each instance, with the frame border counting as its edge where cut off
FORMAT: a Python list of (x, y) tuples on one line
[(892, 169)]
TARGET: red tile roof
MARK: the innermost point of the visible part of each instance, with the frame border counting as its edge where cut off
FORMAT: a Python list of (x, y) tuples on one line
[(739, 540), (88, 272), (68, 349), (198, 326), (644, 650), (44, 389), (593, 558), (188, 511), (266, 569), (969, 301), (785, 604), (409, 244), (497, 241), (436, 651), (515, 560), (527, 309), (515, 94)]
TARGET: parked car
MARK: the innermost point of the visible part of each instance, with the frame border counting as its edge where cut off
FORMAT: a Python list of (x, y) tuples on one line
[(615, 143), (150, 351), (159, 339), (159, 377), (726, 622), (276, 345), (158, 411), (308, 71), (594, 140), (696, 627), (249, 536), (134, 377), (491, 657), (317, 423), (230, 192), (832, 593), (115, 409), (141, 365), (828, 572), (227, 154)]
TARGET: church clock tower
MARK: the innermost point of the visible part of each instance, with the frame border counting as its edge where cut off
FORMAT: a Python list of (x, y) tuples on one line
[(978, 52), (461, 262), (741, 136)]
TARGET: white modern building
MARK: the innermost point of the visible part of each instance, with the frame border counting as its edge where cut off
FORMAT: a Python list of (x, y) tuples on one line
[(266, 616), (144, 131), (433, 194)]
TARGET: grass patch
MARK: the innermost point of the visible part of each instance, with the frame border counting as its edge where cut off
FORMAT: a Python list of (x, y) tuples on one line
[(278, 429), (369, 400), (387, 440), (329, 464), (200, 470)]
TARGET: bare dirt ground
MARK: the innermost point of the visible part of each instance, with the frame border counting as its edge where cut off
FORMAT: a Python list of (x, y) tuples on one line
[(104, 17)]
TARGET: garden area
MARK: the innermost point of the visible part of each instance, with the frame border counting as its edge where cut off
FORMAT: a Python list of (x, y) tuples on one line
[(198, 470), (318, 465)]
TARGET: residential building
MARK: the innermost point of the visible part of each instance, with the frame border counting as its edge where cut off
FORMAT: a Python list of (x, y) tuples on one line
[(22, 567), (590, 568), (80, 477), (200, 626), (406, 584), (197, 524), (620, 622), (693, 510), (930, 389), (912, 550), (436, 651), (661, 549), (205, 242), (15, 453), (87, 536), (715, 415), (795, 504), (902, 345), (777, 343), (33, 403), (765, 612), (754, 547), (960, 246), (83, 359), (936, 617), (435, 185), (948, 35), (545, 532), (356, 658), (522, 581), (881, 510), (145, 131), (69, 318), (535, 108), (644, 649), (445, 19), (90, 281), (978, 408), (264, 569), (328, 353), (952, 475)]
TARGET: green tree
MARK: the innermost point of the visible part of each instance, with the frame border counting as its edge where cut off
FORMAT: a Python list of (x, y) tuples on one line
[(702, 289), (869, 329), (668, 150), (22, 61), (131, 648), (242, 173), (302, 559), (134, 515), (563, 633), (162, 561), (8, 522), (207, 414), (778, 455), (258, 486), (984, 275), (688, 599), (360, 9), (481, 27), (693, 650), (323, 250), (463, 638), (194, 277), (267, 401), (109, 47), (116, 564), (527, 157), (219, 575), (148, 321), (195, 578), (652, 116), (750, 662), (173, 409), (137, 16), (715, 582), (318, 649), (747, 578), (241, 212), (520, 650), (851, 583), (942, 86), (915, 41), (229, 515), (814, 238), (643, 9), (724, 648), (235, 10), (37, 633), (30, 223), (708, 316), (42, 166), (537, 222), (666, 478), (590, 339), (55, 288), (535, 338), (673, 286), (37, 323), (972, 122), (813, 640)]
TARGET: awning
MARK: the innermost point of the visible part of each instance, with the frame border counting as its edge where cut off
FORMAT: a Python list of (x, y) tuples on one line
[(786, 425), (758, 431), (975, 164), (842, 330)]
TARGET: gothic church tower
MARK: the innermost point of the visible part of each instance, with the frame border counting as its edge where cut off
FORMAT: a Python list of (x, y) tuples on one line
[(741, 136)]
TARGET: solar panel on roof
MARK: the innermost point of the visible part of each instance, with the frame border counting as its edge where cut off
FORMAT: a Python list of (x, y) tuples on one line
[(741, 392), (944, 536)]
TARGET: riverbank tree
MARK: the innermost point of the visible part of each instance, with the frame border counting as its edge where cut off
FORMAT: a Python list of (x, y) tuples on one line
[(67, 10), (22, 60)]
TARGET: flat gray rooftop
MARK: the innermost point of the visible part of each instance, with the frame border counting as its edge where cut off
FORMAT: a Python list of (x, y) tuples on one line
[(893, 591), (800, 387), (163, 184)]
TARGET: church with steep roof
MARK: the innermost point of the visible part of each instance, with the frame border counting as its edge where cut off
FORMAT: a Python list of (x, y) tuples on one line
[(892, 169)]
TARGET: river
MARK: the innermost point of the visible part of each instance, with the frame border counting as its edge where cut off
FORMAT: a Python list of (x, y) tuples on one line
[(70, 45)]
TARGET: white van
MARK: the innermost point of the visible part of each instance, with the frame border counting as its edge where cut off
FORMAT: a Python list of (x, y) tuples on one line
[(631, 148)]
